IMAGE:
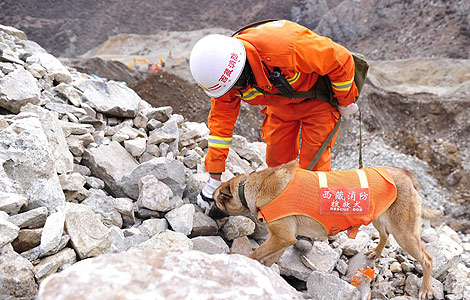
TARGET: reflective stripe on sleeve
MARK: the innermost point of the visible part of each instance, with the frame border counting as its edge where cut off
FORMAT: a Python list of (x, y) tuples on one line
[(294, 79), (342, 86), (219, 142)]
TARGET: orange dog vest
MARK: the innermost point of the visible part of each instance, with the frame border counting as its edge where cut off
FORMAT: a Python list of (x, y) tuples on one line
[(339, 200)]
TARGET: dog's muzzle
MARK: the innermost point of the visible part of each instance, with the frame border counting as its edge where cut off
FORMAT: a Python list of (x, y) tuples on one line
[(216, 213)]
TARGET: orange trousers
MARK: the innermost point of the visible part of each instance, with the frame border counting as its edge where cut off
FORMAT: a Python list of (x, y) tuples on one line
[(312, 119)]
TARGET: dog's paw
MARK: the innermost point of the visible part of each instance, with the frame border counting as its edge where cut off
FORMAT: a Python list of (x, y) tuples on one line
[(372, 254), (425, 294)]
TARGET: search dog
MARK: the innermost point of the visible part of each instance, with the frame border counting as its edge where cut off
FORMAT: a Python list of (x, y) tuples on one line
[(401, 218)]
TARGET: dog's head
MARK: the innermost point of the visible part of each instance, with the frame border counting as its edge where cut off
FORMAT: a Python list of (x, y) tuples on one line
[(227, 199)]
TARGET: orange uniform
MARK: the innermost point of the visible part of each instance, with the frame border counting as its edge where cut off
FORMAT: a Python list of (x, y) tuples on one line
[(302, 56), (340, 200)]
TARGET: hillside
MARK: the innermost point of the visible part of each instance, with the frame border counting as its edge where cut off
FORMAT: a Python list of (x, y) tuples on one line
[(381, 29)]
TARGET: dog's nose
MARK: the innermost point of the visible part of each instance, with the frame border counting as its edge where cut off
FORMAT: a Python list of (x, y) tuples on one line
[(216, 213)]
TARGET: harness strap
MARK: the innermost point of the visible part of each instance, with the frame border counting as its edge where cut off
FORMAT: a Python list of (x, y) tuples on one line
[(322, 181), (363, 179)]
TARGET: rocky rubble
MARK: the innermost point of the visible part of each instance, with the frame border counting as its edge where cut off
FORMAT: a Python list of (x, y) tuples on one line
[(99, 187)]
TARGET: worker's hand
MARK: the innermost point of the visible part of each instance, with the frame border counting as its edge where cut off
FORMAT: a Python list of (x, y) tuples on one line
[(348, 110), (204, 198)]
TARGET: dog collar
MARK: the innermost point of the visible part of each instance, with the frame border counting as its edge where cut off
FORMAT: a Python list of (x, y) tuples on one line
[(241, 192)]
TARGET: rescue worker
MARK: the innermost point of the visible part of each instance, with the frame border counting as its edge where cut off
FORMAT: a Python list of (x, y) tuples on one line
[(234, 69)]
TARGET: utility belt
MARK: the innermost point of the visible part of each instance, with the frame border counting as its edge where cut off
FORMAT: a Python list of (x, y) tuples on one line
[(321, 90)]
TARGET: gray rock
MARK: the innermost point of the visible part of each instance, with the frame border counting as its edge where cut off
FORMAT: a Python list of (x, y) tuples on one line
[(72, 112), (110, 98), (181, 218), (118, 243), (81, 169), (125, 207), (104, 206), (161, 114), (16, 275), (351, 247), (152, 227), (203, 225), (413, 284), (238, 226), (88, 235), (193, 134), (192, 159), (173, 274), (324, 286), (51, 264), (77, 143), (245, 150), (136, 147), (101, 166), (13, 32), (168, 171), (69, 92), (27, 163), (27, 239), (34, 218), (168, 240), (323, 257), (64, 240), (75, 128), (12, 203), (291, 265), (155, 195), (446, 254), (457, 282), (210, 244), (17, 89), (8, 232), (54, 67), (63, 159), (52, 232), (94, 183), (72, 181)]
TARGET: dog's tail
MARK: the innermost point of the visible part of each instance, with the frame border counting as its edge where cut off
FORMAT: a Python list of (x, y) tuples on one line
[(426, 212), (413, 179), (430, 214)]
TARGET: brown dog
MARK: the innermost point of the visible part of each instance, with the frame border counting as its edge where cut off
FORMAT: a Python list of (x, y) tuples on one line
[(401, 218)]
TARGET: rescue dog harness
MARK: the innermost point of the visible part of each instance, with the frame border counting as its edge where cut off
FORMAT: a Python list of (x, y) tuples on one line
[(339, 200)]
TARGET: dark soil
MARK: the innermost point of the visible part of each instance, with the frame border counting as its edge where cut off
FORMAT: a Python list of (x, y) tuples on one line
[(164, 89)]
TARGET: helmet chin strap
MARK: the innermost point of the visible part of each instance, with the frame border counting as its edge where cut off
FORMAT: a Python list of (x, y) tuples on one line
[(246, 78)]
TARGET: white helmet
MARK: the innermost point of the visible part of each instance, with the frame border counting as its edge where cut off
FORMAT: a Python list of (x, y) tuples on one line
[(216, 63)]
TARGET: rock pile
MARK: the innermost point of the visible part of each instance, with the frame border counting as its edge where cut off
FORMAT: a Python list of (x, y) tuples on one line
[(99, 186)]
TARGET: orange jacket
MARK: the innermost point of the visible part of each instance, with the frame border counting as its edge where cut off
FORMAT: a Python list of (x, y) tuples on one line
[(340, 200), (302, 56)]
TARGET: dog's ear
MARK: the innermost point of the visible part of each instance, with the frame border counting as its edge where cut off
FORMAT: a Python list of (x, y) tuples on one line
[(225, 194)]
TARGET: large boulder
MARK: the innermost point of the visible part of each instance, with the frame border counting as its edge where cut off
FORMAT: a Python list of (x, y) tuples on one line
[(139, 273), (27, 164)]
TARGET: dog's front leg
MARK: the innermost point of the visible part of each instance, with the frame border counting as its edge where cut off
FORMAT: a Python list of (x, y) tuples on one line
[(280, 238), (271, 250)]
